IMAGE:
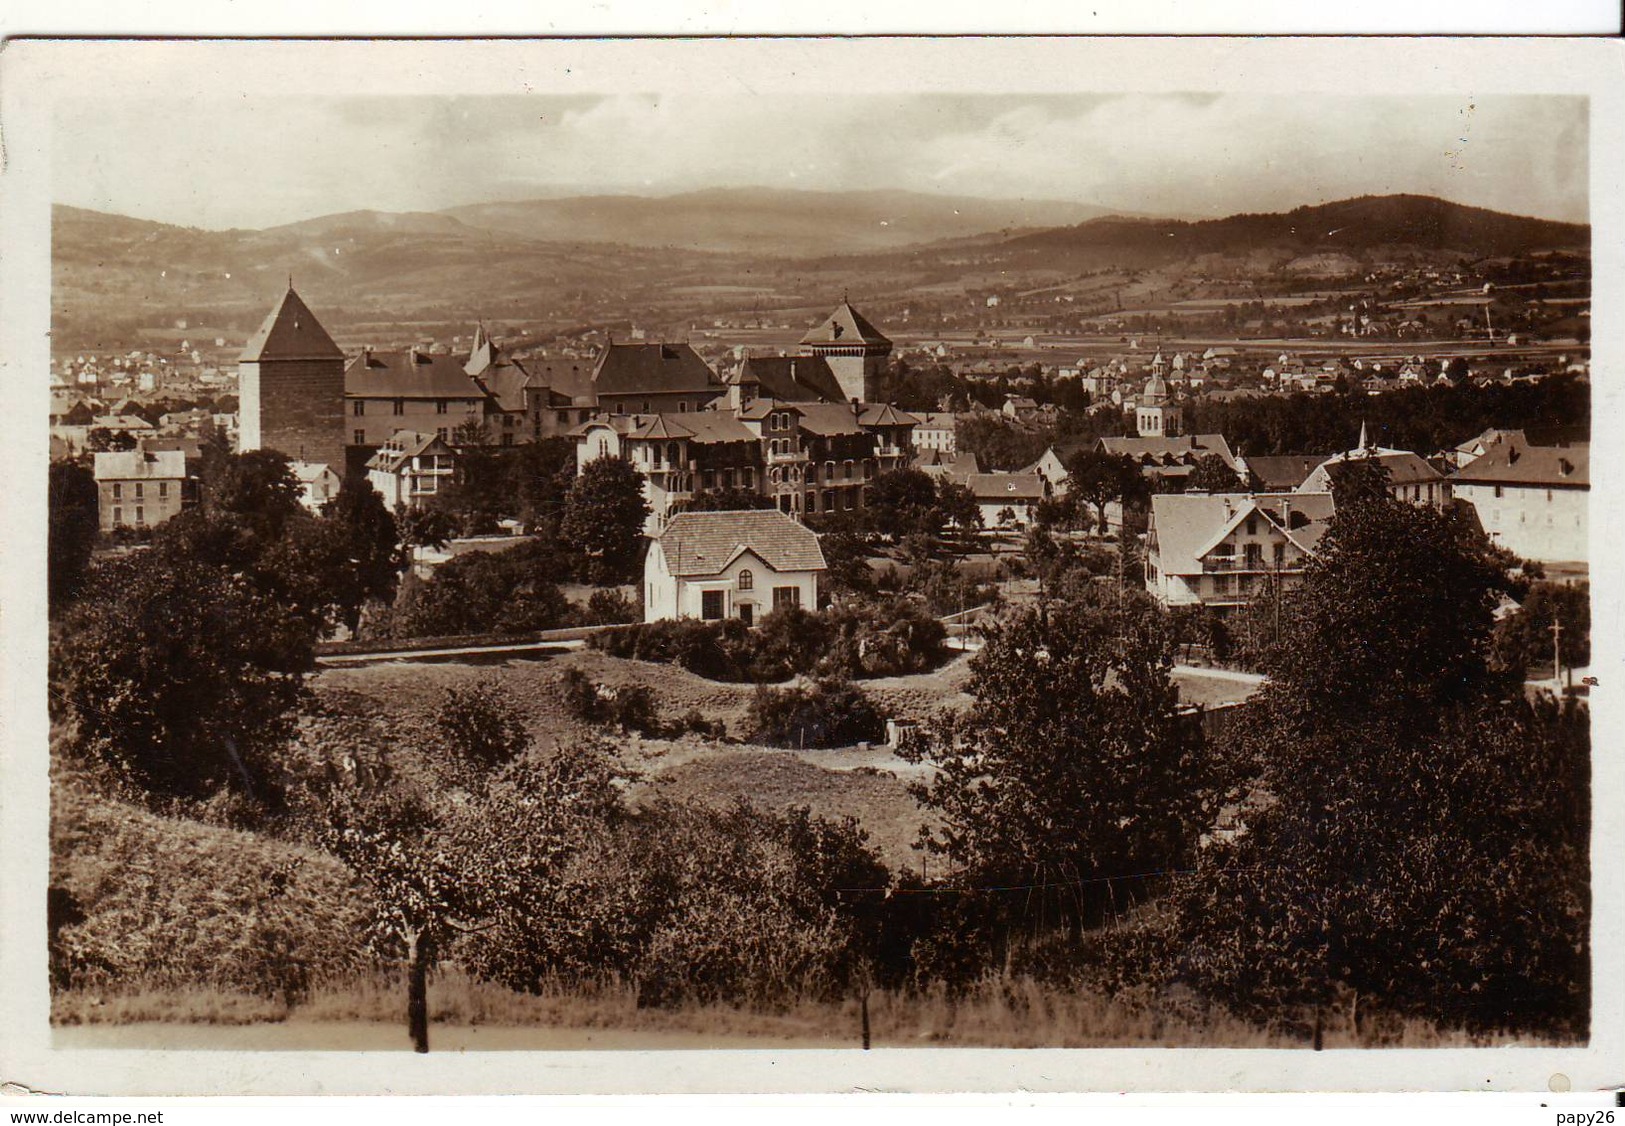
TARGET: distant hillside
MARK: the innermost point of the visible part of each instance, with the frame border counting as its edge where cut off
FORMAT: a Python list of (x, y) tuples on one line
[(1350, 225), (772, 222), (376, 276)]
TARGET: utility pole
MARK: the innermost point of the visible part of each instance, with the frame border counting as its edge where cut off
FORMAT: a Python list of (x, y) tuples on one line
[(1557, 655)]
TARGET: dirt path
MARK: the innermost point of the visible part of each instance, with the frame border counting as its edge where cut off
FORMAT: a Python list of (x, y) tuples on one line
[(374, 1036)]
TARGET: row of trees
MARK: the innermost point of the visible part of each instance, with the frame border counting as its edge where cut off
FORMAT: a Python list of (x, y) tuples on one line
[(1402, 806), (180, 664)]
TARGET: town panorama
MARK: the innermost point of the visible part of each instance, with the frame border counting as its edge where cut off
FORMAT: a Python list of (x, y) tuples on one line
[(1095, 632)]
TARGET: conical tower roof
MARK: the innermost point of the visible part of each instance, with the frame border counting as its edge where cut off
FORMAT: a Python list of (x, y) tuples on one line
[(845, 326), (291, 332)]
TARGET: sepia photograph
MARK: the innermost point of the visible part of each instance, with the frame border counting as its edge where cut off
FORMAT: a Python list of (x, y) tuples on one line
[(688, 559)]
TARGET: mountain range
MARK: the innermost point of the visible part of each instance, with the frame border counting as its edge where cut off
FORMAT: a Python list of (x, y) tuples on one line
[(659, 261)]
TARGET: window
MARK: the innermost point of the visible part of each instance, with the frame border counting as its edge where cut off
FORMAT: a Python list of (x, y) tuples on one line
[(786, 596), (812, 502), (851, 498), (400, 406), (727, 478), (682, 407), (747, 580), (140, 514), (360, 408), (711, 605), (747, 478), (829, 472), (358, 438), (163, 490), (442, 433), (140, 490), (1252, 524), (564, 418), (846, 469), (440, 406), (1255, 556), (118, 516), (1280, 555), (1498, 492), (118, 491)]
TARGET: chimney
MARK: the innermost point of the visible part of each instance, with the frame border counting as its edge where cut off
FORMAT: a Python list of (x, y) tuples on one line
[(857, 408)]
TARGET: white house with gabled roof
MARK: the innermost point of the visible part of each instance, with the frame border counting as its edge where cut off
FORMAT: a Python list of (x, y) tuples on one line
[(716, 565), (1221, 549)]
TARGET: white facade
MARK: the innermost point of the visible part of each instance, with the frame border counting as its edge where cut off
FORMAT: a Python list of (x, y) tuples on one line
[(1544, 523), (935, 432), (747, 588), (318, 485), (1220, 550)]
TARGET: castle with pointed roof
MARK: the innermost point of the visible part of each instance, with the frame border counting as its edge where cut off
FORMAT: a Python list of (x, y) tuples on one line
[(290, 382), (854, 349)]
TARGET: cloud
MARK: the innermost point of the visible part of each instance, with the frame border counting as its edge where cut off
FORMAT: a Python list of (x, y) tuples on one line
[(259, 162)]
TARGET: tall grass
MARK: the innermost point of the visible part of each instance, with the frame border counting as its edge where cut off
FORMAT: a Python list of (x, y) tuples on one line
[(999, 1012)]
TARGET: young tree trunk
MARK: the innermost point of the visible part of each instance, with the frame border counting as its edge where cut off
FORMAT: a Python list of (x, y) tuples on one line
[(417, 991)]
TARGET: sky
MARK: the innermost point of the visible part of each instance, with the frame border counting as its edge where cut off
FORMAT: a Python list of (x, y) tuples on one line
[(258, 162)]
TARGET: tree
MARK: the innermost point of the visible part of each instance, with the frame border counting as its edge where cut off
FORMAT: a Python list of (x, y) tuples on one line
[(258, 490), (475, 872), (1213, 475), (958, 504), (1073, 775), (1395, 611), (728, 500), (506, 592), (425, 527), (74, 516), (372, 557), (183, 676), (1098, 478), (1414, 806), (1523, 640), (1357, 481), (604, 514), (100, 439), (481, 493), (543, 472), (904, 502)]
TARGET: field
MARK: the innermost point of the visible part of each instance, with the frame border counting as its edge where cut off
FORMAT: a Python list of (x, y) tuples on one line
[(869, 783)]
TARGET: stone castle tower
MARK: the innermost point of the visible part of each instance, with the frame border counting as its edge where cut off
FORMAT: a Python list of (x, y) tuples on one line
[(854, 349), (290, 386)]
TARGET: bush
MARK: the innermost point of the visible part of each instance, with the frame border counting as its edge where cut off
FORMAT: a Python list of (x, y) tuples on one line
[(891, 637), (894, 637), (697, 905), (830, 713), (481, 728), (581, 699), (611, 607), (715, 650), (504, 592)]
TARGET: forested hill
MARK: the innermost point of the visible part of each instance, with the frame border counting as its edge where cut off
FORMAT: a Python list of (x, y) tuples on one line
[(1348, 226)]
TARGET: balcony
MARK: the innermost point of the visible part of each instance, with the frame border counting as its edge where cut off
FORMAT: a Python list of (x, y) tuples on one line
[(786, 458)]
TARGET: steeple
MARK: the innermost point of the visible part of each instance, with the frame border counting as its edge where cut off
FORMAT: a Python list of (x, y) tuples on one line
[(1364, 445)]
